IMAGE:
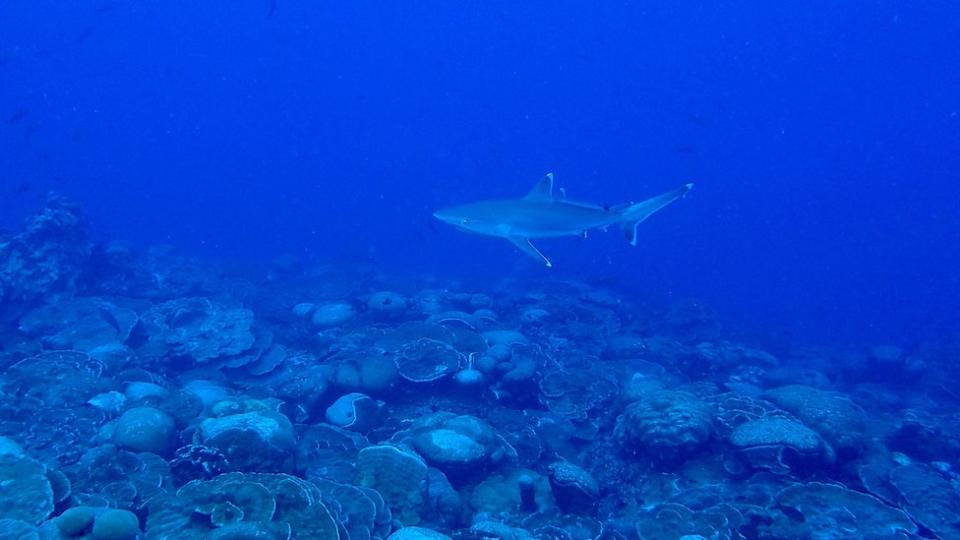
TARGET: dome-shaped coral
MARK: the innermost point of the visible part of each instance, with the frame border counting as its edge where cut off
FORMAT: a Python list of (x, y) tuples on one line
[(145, 429), (387, 305), (257, 440), (573, 487), (666, 425)]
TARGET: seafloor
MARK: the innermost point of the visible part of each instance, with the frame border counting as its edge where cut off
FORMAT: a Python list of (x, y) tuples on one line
[(153, 396)]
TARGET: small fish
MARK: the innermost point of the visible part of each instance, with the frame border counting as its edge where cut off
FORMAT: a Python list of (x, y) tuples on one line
[(30, 130), (697, 119), (83, 36), (271, 9), (22, 189), (109, 318), (106, 7), (18, 115)]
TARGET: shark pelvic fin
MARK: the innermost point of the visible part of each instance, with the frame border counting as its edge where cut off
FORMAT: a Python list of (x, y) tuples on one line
[(543, 191), (635, 214), (527, 247)]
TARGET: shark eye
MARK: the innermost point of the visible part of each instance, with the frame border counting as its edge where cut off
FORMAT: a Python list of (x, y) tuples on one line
[(464, 221)]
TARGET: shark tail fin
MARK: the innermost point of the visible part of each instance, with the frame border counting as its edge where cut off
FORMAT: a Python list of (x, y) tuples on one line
[(635, 214)]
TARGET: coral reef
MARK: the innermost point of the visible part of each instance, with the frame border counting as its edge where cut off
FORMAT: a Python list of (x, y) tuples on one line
[(45, 260), (151, 396)]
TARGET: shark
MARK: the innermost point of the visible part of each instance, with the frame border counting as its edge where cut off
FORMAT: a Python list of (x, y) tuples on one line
[(547, 213)]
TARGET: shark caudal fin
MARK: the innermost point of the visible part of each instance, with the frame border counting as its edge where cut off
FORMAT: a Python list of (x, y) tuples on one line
[(635, 214)]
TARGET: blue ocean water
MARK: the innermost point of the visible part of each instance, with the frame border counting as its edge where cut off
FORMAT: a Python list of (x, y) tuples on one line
[(788, 327)]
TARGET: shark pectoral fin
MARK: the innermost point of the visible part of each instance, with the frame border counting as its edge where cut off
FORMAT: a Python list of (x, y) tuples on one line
[(527, 247), (635, 214), (543, 191)]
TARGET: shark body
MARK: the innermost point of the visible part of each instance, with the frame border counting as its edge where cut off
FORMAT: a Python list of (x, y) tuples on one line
[(544, 214)]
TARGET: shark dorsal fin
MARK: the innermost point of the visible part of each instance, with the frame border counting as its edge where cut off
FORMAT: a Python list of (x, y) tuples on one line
[(543, 191)]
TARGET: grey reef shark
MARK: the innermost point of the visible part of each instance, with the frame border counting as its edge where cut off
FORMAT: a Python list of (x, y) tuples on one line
[(544, 213)]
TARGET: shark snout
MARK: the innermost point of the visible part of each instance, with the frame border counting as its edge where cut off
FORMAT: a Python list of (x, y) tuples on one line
[(458, 218), (449, 217), (442, 216)]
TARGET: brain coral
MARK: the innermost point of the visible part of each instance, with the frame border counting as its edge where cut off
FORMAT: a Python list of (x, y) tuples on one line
[(838, 419), (666, 425)]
